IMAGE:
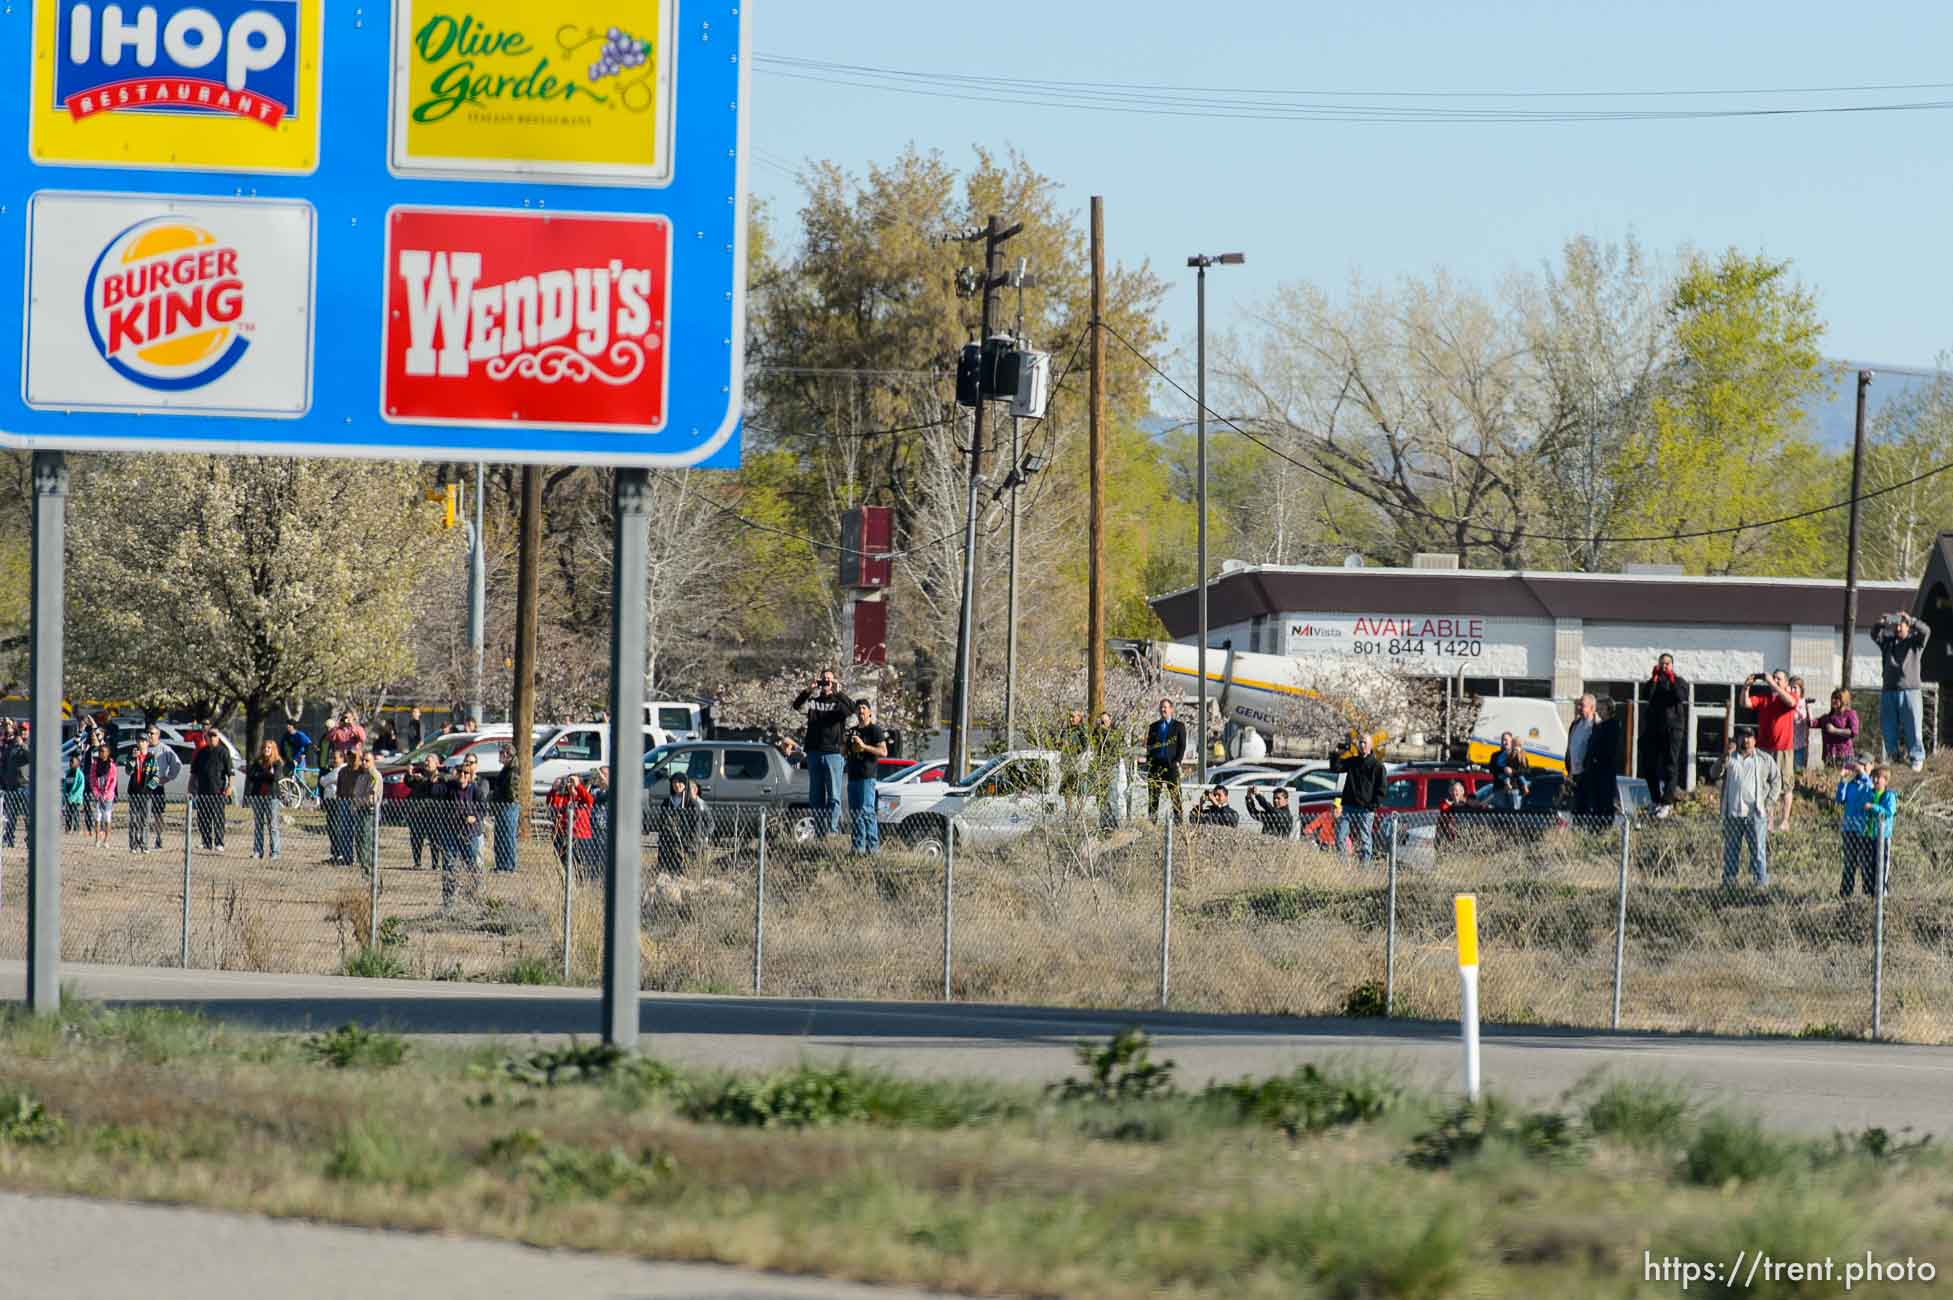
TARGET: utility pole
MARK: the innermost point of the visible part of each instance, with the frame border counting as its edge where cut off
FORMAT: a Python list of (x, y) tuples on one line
[(1200, 263), (1095, 565), (1851, 542), (993, 236), (1018, 280), (477, 604), (528, 573)]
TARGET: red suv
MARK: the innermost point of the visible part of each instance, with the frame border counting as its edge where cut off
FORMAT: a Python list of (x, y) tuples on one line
[(1410, 787)]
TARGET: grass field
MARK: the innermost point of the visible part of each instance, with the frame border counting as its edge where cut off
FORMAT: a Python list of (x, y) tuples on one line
[(1330, 1183), (1066, 916)]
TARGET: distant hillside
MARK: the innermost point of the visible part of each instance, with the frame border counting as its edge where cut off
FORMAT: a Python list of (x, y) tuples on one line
[(1834, 417)]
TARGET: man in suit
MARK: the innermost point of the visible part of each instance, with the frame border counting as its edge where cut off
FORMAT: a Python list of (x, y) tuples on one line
[(1593, 761), (1166, 745)]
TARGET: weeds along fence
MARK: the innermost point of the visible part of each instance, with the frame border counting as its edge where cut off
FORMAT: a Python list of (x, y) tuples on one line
[(1623, 924)]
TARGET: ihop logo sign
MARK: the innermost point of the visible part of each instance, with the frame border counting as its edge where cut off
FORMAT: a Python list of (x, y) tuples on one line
[(165, 305), (217, 58)]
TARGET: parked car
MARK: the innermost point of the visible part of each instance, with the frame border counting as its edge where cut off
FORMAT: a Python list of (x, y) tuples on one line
[(1000, 800), (931, 769), (1541, 816), (581, 747), (749, 773)]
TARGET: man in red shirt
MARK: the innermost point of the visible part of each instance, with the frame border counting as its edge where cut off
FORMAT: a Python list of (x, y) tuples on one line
[(1776, 705)]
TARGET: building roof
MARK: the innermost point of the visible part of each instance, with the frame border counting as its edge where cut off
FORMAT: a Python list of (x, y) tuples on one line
[(1258, 591)]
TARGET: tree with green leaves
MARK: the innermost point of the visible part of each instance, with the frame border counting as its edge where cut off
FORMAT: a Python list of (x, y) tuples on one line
[(1727, 440), (231, 583)]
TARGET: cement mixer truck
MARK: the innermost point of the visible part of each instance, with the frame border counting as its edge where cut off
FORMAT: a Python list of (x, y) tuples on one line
[(1266, 694)]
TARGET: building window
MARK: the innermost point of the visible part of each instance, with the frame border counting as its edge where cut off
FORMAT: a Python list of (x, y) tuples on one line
[(1529, 688), (1486, 688)]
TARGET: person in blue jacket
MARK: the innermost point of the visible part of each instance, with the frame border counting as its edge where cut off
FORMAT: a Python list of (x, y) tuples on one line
[(1869, 809)]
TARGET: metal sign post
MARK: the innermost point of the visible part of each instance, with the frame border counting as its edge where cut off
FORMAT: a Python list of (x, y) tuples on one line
[(624, 889), (523, 240), (44, 807)]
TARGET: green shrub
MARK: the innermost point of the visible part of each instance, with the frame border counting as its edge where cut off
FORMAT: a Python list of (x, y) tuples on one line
[(393, 933), (808, 1097), (1306, 1100), (556, 1172), (1732, 1148), (1489, 1125), (1366, 1001), (375, 964), (1648, 1114), (349, 1045), (528, 970), (24, 1121), (1122, 1070), (1878, 1146), (576, 1063)]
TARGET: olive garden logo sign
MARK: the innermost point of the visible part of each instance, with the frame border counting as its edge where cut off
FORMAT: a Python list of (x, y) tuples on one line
[(575, 90)]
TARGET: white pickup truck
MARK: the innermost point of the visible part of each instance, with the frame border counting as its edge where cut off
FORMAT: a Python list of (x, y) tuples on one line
[(1004, 798)]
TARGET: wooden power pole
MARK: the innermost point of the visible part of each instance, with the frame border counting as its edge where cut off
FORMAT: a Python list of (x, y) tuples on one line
[(1095, 597), (1851, 543), (528, 573)]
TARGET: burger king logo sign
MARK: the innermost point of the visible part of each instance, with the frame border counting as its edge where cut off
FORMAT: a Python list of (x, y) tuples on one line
[(149, 304), (165, 305)]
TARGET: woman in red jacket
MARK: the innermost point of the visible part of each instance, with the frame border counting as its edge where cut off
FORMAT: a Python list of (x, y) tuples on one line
[(570, 802)]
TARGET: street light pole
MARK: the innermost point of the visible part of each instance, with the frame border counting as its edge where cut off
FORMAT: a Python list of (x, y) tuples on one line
[(477, 606), (1200, 263), (1019, 278)]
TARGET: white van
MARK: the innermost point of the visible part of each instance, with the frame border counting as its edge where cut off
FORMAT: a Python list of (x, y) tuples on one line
[(1537, 724)]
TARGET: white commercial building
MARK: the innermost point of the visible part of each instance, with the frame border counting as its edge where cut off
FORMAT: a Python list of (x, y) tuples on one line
[(1557, 635)]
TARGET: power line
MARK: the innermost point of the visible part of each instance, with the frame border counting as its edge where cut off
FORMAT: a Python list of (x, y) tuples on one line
[(1533, 93), (1139, 101), (1518, 533)]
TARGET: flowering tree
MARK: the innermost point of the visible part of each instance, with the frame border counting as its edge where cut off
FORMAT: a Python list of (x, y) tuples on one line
[(233, 583)]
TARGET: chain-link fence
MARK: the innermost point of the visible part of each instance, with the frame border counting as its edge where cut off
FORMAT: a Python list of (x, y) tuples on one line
[(1635, 924)]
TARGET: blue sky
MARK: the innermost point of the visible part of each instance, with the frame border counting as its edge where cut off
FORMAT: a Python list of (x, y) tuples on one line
[(1858, 201)]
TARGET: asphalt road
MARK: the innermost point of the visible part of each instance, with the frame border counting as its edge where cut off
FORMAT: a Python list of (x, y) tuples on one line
[(53, 1248), (1809, 1086)]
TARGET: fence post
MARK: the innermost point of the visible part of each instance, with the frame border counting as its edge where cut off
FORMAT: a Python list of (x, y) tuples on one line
[(1390, 927), (1620, 919), (189, 803), (759, 910), (1166, 908), (1883, 858), (569, 892), (949, 900), (373, 897)]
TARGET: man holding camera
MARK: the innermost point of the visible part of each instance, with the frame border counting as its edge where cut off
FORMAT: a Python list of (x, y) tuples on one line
[(1900, 642), (828, 715), (1665, 734), (1776, 704)]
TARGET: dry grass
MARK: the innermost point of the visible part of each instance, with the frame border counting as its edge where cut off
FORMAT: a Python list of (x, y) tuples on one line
[(964, 1187), (1066, 916)]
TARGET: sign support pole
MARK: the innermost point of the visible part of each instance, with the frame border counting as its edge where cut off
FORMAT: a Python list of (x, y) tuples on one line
[(623, 887), (44, 824), (1465, 910)]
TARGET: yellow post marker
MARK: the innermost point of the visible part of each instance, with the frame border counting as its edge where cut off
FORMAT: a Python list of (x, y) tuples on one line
[(1465, 911)]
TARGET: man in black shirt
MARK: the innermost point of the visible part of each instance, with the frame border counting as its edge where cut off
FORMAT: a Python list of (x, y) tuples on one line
[(867, 746), (1664, 734), (1363, 783), (1276, 819), (828, 715), (210, 787)]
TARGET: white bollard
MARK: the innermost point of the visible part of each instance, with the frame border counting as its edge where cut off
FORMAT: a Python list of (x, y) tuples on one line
[(1465, 910)]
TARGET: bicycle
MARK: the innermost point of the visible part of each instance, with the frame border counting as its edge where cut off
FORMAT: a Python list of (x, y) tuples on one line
[(296, 791)]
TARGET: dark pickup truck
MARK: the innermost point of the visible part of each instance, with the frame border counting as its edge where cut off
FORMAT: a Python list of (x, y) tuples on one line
[(746, 774)]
